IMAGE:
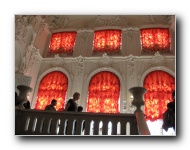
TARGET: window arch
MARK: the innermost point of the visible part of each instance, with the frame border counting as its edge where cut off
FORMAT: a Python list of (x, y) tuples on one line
[(104, 93), (159, 86), (54, 85)]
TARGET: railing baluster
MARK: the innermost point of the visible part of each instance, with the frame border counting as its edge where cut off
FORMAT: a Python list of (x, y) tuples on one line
[(63, 123), (96, 127)]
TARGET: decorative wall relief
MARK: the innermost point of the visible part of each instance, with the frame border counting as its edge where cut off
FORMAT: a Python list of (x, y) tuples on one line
[(80, 67), (130, 31), (157, 60), (57, 22), (157, 19), (21, 29), (29, 58), (57, 61), (84, 33), (107, 20), (105, 61), (131, 66)]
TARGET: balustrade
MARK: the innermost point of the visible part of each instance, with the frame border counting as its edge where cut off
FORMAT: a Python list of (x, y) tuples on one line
[(40, 122)]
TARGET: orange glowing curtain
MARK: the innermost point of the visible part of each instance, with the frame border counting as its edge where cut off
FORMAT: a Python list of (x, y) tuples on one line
[(107, 40), (62, 42), (155, 39), (103, 93), (53, 86), (159, 86)]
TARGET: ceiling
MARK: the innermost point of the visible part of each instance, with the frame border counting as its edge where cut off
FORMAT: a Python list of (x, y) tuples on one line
[(59, 22)]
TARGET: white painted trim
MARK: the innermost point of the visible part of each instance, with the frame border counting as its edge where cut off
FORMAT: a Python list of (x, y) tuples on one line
[(157, 68)]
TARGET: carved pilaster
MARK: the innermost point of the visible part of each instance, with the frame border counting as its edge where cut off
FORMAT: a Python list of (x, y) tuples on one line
[(131, 66), (80, 67)]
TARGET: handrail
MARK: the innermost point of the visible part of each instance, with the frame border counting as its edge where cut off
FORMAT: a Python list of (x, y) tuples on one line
[(40, 122)]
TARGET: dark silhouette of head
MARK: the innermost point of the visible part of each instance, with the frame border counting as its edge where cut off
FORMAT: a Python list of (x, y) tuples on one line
[(76, 96), (80, 108), (54, 102)]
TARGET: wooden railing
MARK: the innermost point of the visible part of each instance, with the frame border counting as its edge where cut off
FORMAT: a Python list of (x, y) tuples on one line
[(40, 122)]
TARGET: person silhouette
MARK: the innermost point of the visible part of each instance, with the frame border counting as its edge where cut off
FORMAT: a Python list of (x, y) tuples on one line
[(169, 115), (80, 108), (51, 107), (71, 103)]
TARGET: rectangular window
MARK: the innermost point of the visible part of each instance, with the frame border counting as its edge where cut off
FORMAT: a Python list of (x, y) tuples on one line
[(155, 39), (62, 42), (107, 41)]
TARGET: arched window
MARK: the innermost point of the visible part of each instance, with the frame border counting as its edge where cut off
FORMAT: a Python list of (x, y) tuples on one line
[(62, 42), (104, 93), (107, 41), (53, 86), (155, 39), (159, 86)]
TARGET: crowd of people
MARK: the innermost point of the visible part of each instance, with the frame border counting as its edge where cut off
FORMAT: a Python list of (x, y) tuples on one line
[(71, 104)]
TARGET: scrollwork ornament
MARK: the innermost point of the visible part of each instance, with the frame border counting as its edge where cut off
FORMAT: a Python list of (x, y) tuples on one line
[(57, 61), (80, 59), (157, 60)]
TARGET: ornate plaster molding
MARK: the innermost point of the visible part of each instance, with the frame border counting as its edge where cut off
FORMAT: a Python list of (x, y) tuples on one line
[(57, 61), (105, 61), (21, 24), (107, 20), (80, 67), (131, 66), (157, 60), (130, 31), (57, 21), (157, 19), (84, 33), (29, 58)]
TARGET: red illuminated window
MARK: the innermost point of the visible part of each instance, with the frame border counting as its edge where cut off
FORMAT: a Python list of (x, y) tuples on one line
[(103, 93), (159, 86), (62, 42), (107, 41), (53, 86), (155, 39)]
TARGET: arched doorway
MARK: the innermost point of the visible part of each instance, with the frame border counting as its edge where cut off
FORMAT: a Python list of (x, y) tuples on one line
[(159, 85), (104, 93), (53, 85)]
